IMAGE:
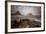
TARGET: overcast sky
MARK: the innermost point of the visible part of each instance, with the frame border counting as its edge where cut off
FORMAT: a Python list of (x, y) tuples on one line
[(26, 9)]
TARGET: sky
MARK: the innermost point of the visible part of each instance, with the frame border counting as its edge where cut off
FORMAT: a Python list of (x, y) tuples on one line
[(24, 10)]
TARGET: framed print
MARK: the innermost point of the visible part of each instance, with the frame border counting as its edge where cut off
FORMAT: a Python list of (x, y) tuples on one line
[(25, 16)]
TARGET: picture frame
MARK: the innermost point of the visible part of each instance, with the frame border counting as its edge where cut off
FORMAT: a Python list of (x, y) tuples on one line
[(8, 14)]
